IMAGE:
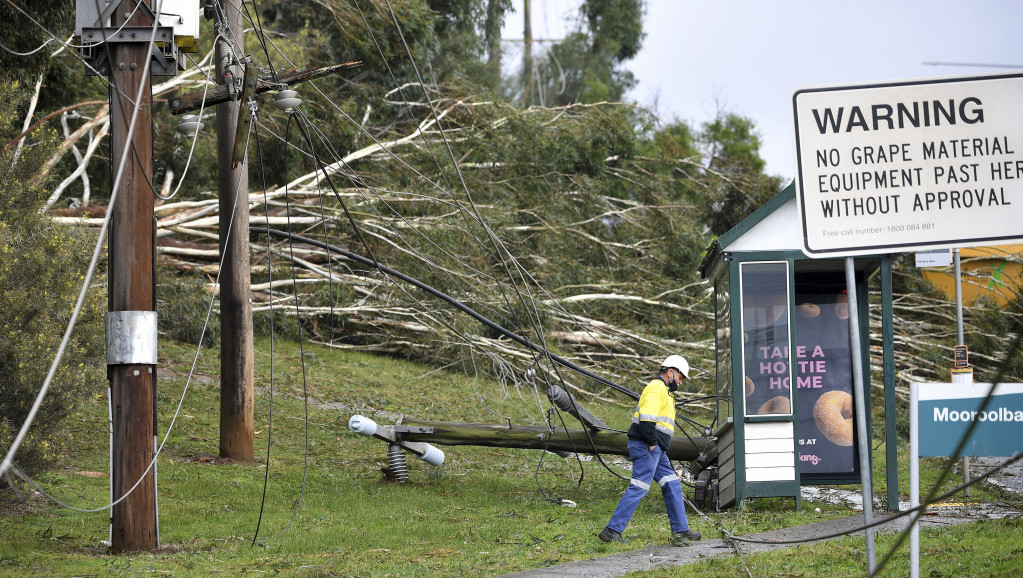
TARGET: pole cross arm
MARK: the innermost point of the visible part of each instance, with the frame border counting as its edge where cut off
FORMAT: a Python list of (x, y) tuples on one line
[(218, 94)]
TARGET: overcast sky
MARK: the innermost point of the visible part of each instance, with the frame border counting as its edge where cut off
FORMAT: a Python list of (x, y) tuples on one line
[(750, 56)]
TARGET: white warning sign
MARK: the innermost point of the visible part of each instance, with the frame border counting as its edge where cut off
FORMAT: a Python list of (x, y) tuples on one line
[(910, 165)]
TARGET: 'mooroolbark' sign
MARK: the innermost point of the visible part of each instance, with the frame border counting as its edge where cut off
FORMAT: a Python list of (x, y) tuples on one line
[(946, 411), (910, 165)]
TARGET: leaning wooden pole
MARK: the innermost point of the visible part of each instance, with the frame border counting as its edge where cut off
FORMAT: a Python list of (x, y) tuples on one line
[(130, 294), (236, 346)]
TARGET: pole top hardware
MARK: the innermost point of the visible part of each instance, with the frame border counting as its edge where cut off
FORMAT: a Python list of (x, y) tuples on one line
[(190, 125), (177, 31), (287, 100), (218, 94)]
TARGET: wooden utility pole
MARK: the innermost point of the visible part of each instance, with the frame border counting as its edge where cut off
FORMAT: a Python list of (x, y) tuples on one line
[(236, 348), (495, 13), (527, 51), (132, 289)]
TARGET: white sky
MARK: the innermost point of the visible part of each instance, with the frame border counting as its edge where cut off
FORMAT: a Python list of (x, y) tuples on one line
[(750, 56)]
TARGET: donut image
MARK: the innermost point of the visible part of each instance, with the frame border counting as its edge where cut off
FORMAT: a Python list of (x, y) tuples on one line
[(777, 404), (809, 310), (833, 415), (842, 306), (750, 386)]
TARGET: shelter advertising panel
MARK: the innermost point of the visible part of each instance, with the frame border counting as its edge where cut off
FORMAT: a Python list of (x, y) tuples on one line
[(824, 383)]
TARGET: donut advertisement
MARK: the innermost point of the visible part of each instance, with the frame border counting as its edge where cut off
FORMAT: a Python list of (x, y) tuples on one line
[(823, 378)]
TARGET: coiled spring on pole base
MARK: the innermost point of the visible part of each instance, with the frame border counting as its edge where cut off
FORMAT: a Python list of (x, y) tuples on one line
[(396, 463)]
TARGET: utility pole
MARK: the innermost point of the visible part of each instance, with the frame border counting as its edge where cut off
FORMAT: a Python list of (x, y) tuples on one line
[(495, 14), (132, 292), (527, 51), (236, 347)]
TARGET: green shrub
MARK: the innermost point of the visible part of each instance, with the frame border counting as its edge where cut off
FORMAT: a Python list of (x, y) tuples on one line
[(42, 267), (182, 301)]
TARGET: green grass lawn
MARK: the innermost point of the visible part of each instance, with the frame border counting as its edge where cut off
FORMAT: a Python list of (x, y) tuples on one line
[(333, 513)]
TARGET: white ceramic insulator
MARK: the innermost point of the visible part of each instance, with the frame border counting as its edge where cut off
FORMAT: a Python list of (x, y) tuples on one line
[(287, 103), (362, 424), (433, 456), (287, 100), (190, 125)]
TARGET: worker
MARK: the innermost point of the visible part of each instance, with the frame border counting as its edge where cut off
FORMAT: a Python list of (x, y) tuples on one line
[(649, 438)]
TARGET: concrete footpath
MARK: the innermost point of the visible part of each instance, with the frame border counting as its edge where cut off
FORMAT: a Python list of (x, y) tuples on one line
[(668, 556)]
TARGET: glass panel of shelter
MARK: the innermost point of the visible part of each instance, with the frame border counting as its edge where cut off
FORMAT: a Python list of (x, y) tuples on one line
[(764, 289)]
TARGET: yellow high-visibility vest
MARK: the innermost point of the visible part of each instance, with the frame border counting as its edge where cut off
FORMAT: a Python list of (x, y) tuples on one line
[(656, 404)]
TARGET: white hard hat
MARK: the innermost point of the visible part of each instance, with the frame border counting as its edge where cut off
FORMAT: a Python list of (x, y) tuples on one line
[(677, 362)]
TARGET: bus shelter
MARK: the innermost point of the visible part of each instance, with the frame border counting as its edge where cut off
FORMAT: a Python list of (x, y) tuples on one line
[(784, 378)]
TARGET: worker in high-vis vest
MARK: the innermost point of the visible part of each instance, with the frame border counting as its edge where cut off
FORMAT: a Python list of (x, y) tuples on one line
[(649, 438)]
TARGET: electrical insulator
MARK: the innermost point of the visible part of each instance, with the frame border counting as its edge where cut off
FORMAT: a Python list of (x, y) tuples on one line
[(287, 100), (190, 125)]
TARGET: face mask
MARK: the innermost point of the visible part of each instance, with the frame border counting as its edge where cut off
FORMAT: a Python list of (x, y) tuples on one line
[(672, 385)]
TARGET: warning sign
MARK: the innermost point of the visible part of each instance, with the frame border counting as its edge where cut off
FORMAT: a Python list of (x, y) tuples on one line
[(914, 165)]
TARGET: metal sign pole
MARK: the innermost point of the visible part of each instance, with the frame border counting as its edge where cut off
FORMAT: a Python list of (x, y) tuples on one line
[(960, 341), (914, 479), (861, 417)]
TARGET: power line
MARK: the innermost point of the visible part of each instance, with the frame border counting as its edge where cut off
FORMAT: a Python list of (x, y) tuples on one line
[(476, 217), (975, 64), (456, 303)]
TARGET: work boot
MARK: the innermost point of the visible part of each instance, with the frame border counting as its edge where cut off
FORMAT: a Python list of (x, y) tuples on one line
[(684, 538), (609, 535)]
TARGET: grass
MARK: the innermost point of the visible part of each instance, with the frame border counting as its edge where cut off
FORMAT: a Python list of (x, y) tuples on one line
[(991, 548), (480, 514)]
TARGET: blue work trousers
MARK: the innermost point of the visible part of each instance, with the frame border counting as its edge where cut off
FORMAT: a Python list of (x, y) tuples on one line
[(649, 465)]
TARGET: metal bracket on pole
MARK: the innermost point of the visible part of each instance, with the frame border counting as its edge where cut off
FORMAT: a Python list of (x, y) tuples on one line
[(131, 337), (244, 120), (420, 429), (128, 34), (164, 53), (391, 434), (96, 31)]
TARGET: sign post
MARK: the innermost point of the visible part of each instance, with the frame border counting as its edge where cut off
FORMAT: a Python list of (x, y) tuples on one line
[(940, 414), (905, 166)]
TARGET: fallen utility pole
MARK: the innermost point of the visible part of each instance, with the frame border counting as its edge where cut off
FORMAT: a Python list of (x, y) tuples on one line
[(219, 94), (536, 438)]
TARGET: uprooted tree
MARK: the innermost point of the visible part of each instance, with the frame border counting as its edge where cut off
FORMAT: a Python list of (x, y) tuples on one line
[(579, 226)]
